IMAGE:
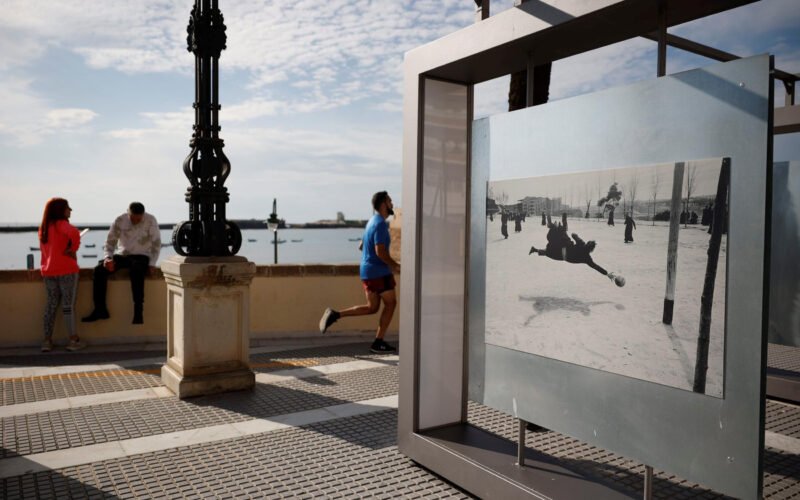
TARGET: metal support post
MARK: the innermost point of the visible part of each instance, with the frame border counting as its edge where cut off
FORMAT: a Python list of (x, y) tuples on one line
[(275, 244), (481, 10), (662, 40), (648, 483), (529, 80), (521, 442)]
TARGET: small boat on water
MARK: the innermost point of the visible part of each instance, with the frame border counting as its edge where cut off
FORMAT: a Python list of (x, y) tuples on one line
[(281, 241), (251, 240), (90, 245), (297, 241), (35, 249), (353, 239)]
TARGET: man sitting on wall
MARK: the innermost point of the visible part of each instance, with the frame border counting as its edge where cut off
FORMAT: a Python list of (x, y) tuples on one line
[(133, 242)]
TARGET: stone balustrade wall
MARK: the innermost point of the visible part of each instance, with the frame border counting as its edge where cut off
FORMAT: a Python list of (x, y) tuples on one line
[(285, 301)]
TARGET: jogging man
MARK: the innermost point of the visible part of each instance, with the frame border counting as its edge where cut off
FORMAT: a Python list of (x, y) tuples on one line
[(377, 278)]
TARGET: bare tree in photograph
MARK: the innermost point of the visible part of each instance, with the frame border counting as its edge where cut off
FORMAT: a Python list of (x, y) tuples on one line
[(502, 198), (707, 299), (654, 192), (633, 184), (691, 182), (588, 196)]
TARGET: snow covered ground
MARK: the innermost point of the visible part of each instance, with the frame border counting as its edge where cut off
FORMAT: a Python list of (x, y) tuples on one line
[(573, 313)]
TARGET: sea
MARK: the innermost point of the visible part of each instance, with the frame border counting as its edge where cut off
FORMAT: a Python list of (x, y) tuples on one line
[(296, 246)]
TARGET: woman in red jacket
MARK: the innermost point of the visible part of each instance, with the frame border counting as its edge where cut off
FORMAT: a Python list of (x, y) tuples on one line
[(59, 241)]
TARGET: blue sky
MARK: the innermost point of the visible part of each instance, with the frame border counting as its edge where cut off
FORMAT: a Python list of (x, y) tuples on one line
[(97, 97)]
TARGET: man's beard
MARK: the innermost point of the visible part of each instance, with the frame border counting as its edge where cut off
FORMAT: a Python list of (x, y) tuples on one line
[(389, 211)]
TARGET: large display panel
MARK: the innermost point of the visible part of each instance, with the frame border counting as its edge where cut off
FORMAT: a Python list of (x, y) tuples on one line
[(572, 276), (721, 111), (784, 317)]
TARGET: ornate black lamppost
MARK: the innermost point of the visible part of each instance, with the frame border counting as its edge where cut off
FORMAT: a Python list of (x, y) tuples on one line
[(207, 233), (272, 225)]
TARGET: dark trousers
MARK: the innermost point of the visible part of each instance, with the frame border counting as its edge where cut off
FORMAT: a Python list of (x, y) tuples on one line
[(137, 264)]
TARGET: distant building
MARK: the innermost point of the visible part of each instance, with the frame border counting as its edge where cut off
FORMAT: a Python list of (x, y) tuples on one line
[(534, 205), (340, 217)]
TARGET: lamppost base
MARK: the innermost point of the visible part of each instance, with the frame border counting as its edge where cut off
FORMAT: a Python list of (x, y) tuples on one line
[(208, 328), (201, 385)]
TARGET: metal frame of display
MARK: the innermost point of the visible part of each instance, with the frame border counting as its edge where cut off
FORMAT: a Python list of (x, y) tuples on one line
[(432, 423)]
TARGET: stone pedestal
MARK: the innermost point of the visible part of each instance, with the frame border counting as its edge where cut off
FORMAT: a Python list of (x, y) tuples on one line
[(208, 330)]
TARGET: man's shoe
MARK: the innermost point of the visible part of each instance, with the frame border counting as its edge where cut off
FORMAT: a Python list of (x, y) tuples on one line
[(329, 317), (95, 316), (381, 347), (533, 249), (47, 345), (75, 345)]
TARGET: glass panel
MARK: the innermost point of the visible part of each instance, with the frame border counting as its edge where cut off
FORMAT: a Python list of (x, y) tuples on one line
[(443, 218)]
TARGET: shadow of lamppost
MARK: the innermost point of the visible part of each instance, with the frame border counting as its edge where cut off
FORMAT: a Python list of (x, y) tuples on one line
[(272, 224)]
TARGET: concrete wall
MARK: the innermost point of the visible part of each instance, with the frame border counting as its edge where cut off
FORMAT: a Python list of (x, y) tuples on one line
[(285, 301)]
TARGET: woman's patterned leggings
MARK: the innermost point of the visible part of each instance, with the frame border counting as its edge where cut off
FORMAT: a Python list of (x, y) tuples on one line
[(60, 289)]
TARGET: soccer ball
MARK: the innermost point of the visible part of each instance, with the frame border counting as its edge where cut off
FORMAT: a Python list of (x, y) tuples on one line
[(619, 281)]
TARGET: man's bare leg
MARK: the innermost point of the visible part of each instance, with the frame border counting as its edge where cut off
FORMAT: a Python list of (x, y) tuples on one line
[(389, 298), (371, 307)]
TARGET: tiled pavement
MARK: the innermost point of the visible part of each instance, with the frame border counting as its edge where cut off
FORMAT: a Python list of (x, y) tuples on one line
[(294, 436)]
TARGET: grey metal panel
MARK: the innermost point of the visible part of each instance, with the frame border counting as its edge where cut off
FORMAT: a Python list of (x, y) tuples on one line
[(722, 110), (476, 319), (784, 307)]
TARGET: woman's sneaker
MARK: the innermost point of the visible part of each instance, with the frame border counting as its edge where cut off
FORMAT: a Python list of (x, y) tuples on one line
[(47, 345), (381, 347), (75, 345)]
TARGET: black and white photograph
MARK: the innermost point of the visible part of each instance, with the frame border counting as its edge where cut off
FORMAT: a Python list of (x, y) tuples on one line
[(621, 270)]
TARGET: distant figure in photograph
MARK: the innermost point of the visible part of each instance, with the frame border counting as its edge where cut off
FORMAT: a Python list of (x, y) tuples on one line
[(377, 278), (517, 223), (630, 225), (544, 219), (560, 247), (610, 214), (133, 242), (504, 224), (59, 241)]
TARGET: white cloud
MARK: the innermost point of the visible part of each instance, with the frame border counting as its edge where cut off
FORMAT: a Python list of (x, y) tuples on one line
[(28, 119), (340, 50)]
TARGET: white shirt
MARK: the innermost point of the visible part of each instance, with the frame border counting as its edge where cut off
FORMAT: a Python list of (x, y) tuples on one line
[(127, 238)]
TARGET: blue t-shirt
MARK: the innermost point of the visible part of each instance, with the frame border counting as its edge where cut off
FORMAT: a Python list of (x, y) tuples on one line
[(376, 233)]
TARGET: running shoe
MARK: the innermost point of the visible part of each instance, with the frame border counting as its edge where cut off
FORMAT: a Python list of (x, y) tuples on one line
[(329, 317), (381, 347)]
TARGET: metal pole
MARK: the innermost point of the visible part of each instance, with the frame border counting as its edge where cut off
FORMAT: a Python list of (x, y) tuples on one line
[(529, 81), (662, 39), (481, 10), (521, 443), (648, 483), (275, 244)]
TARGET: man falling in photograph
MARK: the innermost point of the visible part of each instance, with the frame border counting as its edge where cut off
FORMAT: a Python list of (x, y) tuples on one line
[(560, 247), (376, 271)]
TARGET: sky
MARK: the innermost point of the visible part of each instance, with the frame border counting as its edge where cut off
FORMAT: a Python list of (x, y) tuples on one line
[(96, 97)]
